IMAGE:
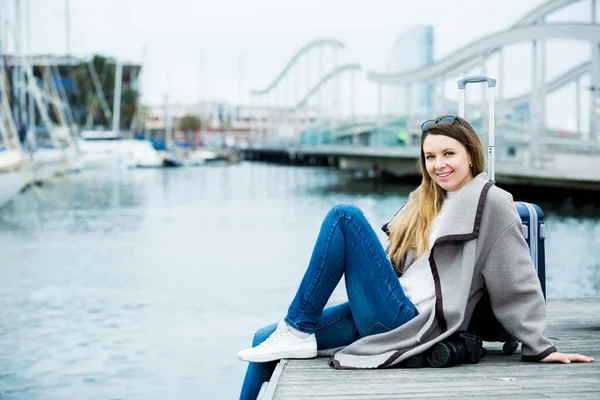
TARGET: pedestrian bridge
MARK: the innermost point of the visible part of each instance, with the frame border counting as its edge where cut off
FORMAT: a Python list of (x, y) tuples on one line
[(305, 115)]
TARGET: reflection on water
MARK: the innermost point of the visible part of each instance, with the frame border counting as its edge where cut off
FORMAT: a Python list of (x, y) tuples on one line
[(144, 284)]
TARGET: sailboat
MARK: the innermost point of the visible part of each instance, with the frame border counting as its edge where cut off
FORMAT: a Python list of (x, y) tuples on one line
[(65, 132), (15, 172), (15, 165), (107, 149), (54, 147)]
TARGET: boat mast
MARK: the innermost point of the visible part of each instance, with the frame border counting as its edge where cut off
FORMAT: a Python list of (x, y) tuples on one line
[(30, 102), (116, 122), (67, 28), (18, 73), (8, 125), (167, 118)]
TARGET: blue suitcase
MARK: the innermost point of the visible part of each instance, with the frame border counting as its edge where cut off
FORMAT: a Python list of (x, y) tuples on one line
[(534, 231), (483, 323)]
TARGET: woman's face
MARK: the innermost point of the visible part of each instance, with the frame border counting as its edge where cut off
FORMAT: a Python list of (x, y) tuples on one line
[(447, 162)]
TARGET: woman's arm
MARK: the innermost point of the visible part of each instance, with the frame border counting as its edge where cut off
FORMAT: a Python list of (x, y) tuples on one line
[(516, 296)]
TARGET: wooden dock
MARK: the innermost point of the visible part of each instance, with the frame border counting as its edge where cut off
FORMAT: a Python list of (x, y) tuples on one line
[(574, 326)]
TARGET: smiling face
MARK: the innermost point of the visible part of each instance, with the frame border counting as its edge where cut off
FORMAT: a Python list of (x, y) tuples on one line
[(447, 162)]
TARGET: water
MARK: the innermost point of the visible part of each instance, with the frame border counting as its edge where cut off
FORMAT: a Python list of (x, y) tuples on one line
[(143, 284)]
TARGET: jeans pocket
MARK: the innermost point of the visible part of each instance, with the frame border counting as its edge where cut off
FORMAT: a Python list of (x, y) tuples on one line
[(377, 327)]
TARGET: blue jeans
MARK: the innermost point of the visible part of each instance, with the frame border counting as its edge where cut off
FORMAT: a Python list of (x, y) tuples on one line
[(346, 246)]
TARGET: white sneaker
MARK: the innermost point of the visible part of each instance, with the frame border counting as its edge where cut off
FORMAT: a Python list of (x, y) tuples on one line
[(281, 344)]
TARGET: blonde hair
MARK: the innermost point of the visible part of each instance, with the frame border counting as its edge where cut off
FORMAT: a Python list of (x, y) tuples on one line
[(410, 230)]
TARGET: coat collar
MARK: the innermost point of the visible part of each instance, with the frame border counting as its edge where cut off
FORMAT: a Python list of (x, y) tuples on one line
[(463, 218)]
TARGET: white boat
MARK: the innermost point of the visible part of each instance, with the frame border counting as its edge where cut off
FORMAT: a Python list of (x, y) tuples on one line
[(201, 156), (47, 162), (15, 173), (105, 149), (58, 156), (72, 161)]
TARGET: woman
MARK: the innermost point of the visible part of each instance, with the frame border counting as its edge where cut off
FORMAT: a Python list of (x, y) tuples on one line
[(456, 235)]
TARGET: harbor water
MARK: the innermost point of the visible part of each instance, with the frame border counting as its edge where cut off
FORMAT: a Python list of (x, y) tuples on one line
[(143, 284)]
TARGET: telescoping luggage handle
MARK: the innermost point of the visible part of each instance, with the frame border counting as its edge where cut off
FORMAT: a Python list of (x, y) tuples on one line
[(491, 81)]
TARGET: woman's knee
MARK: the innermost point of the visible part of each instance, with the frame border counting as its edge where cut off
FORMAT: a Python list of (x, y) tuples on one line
[(262, 334), (346, 210)]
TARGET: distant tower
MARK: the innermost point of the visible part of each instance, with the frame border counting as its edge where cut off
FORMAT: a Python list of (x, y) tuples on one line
[(412, 49)]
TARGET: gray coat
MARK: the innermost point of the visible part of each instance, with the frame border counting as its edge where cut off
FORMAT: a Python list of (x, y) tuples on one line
[(480, 248)]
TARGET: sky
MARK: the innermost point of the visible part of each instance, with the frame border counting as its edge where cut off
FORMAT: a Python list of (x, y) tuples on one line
[(220, 50)]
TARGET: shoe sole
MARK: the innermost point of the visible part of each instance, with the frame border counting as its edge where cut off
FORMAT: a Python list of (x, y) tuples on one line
[(280, 356)]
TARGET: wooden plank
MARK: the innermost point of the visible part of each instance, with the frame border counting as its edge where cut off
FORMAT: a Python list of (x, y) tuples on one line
[(270, 391), (574, 326)]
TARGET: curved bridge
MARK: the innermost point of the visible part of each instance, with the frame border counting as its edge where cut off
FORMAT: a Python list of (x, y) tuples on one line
[(287, 118), (337, 71), (555, 84), (531, 28), (538, 14), (528, 151), (485, 47), (457, 59), (333, 43)]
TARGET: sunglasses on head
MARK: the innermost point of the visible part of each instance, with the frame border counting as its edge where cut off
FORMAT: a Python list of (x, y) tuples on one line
[(447, 120)]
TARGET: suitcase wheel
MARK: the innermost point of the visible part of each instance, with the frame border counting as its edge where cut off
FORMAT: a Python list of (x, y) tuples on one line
[(510, 347)]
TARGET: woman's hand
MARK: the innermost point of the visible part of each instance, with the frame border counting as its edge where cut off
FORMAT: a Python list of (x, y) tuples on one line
[(566, 358)]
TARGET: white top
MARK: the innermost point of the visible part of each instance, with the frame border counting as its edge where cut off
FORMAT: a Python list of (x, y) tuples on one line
[(417, 281)]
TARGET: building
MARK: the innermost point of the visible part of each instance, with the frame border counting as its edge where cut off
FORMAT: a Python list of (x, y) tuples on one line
[(68, 84), (225, 124), (412, 49)]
